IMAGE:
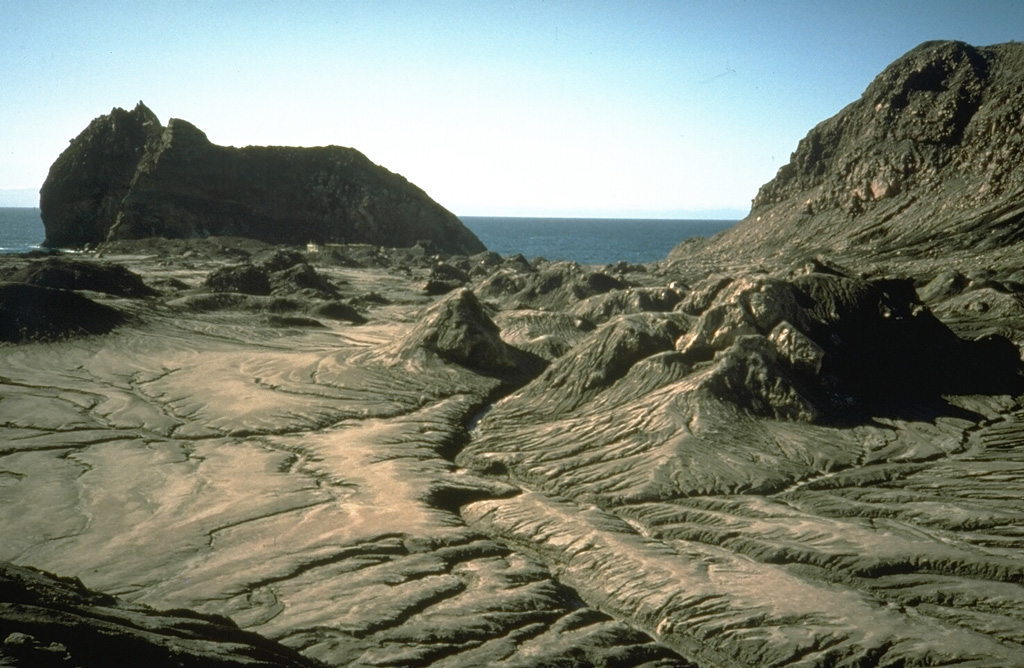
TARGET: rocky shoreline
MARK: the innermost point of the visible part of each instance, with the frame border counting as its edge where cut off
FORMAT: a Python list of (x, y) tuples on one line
[(753, 453)]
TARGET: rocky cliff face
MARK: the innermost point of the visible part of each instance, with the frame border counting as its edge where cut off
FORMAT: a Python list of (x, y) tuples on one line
[(127, 176), (925, 162)]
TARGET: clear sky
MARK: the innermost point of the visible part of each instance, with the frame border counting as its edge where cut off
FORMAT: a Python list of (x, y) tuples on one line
[(634, 108)]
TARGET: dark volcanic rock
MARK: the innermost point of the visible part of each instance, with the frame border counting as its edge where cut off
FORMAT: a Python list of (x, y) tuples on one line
[(554, 285), (30, 312), (336, 310), (826, 344), (126, 177), (68, 274), (244, 278), (48, 621), (458, 330), (926, 161)]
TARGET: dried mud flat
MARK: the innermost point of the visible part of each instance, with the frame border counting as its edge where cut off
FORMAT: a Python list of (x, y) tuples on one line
[(377, 457)]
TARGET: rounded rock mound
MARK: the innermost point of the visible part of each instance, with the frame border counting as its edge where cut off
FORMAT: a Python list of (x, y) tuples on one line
[(35, 313)]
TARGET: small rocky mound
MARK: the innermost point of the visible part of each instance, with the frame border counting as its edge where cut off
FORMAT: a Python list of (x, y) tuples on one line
[(68, 274), (338, 310), (279, 259), (594, 364), (302, 278), (444, 278), (553, 286), (50, 622), (458, 330), (246, 279), (605, 306), (35, 313), (290, 272), (544, 333), (127, 177)]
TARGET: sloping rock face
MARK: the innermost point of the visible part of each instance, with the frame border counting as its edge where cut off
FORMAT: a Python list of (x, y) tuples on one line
[(48, 621), (127, 177), (925, 162)]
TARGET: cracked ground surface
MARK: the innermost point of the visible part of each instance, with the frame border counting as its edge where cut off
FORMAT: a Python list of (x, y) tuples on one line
[(373, 508)]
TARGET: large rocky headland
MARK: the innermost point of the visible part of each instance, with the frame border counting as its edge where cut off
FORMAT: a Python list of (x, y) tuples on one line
[(126, 176), (799, 443)]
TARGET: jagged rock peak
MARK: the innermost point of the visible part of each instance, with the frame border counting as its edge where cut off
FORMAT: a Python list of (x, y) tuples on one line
[(925, 159), (457, 329), (126, 176)]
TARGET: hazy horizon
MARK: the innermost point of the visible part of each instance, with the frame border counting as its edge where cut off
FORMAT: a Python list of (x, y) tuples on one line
[(604, 109), (23, 199)]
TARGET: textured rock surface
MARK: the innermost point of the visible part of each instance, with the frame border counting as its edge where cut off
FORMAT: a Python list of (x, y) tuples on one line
[(803, 464), (49, 622), (925, 163), (296, 480), (126, 176)]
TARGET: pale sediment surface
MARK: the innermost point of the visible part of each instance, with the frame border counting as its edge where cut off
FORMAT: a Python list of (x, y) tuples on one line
[(296, 479), (701, 475)]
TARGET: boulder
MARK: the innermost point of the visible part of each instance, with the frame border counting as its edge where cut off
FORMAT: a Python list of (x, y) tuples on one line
[(68, 274), (126, 177), (35, 313)]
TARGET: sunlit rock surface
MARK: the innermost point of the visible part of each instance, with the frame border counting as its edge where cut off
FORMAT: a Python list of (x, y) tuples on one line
[(923, 166)]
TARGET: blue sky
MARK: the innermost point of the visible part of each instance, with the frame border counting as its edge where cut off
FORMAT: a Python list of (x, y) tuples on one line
[(659, 109)]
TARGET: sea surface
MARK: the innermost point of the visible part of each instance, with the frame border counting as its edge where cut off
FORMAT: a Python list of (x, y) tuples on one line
[(21, 230), (585, 240), (589, 240)]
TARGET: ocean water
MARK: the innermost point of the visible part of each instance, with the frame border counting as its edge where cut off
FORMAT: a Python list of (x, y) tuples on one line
[(589, 240), (585, 240), (21, 230)]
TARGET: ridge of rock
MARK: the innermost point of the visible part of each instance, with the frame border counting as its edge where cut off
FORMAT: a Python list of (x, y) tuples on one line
[(126, 177), (923, 164), (51, 621)]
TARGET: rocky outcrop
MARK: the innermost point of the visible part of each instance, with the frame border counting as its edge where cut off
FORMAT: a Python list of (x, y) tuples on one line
[(458, 330), (924, 163), (126, 176), (64, 273), (49, 621), (34, 313)]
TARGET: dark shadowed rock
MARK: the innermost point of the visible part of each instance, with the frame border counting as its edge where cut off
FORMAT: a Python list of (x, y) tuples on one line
[(127, 177), (279, 259), (47, 622), (823, 344), (30, 312), (302, 278), (68, 274), (244, 278)]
